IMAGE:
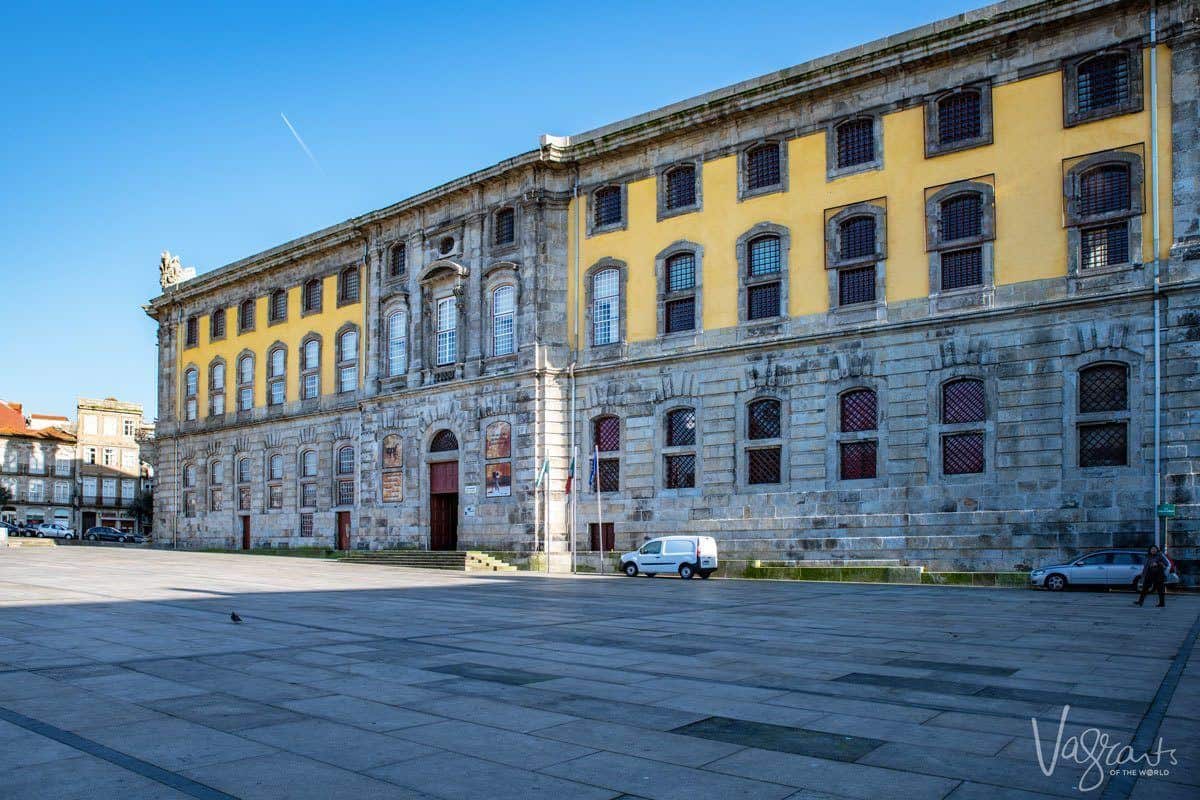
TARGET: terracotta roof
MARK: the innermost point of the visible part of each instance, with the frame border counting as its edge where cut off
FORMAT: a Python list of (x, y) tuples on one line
[(49, 416), (11, 417)]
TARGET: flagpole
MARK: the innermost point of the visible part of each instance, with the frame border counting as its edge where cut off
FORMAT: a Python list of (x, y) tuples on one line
[(546, 533), (599, 515)]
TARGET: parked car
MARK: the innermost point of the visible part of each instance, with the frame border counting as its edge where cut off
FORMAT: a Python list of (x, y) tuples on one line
[(53, 530), (1117, 567), (103, 533), (685, 555)]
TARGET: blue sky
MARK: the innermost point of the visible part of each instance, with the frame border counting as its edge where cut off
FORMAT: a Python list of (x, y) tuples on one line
[(129, 130)]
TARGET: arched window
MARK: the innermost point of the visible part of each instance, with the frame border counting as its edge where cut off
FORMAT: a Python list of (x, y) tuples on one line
[(1104, 189), (276, 375), (216, 329), (1103, 82), (243, 470), (607, 207), (504, 340), (216, 490), (189, 476), (857, 238), (397, 337), (858, 416), (606, 438), (275, 467), (678, 273), (308, 471), (345, 472), (960, 219), (855, 255), (606, 307), (246, 316), (763, 167), (345, 460), (963, 409), (347, 355), (679, 453), (764, 431), (246, 382), (764, 257), (275, 481), (960, 117), (1103, 415), (191, 388), (505, 227), (216, 388), (680, 190), (278, 311), (348, 285), (855, 142), (308, 464), (216, 473), (1103, 211), (312, 296), (310, 368), (443, 442)]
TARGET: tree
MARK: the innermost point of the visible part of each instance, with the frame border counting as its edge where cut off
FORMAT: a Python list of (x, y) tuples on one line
[(143, 507), (6, 495)]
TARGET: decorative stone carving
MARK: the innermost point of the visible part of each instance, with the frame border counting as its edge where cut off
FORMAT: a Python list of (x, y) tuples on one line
[(171, 272)]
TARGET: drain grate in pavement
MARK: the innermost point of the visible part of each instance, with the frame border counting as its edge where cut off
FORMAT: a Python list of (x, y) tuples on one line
[(965, 669), (482, 672), (780, 738)]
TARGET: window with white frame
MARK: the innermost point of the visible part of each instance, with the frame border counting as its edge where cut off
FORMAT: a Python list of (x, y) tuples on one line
[(310, 369), (447, 331), (246, 383), (345, 471), (129, 427), (504, 340), (109, 457), (191, 387), (108, 491), (347, 354), (216, 389), (606, 307), (89, 455), (128, 489), (275, 481), (129, 460), (90, 486), (216, 480), (276, 376), (62, 464), (62, 492), (37, 491), (397, 339)]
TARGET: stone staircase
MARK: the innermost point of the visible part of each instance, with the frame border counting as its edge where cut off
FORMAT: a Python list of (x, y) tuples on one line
[(457, 560), (14, 542)]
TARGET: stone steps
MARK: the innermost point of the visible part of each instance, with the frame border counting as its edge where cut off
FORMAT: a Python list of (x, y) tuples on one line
[(456, 560), (32, 542)]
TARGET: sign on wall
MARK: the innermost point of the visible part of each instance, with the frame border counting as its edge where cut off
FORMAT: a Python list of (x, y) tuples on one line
[(392, 480), (499, 479)]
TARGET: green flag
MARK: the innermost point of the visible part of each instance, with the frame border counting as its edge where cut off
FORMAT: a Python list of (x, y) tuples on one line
[(541, 474)]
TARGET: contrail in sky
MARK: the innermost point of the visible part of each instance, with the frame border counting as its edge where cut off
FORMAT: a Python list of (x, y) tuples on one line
[(300, 141)]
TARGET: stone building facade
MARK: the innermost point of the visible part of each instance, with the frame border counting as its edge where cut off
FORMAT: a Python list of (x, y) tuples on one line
[(843, 310), (37, 467), (111, 465)]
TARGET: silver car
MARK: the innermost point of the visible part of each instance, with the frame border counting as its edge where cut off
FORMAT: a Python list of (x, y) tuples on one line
[(1120, 568)]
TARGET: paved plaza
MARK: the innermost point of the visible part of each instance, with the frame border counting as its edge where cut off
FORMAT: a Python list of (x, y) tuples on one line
[(122, 676)]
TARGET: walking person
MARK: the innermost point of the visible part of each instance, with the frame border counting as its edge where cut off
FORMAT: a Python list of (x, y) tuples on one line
[(1154, 576)]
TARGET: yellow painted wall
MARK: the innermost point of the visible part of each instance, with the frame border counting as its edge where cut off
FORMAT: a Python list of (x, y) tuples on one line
[(1029, 146), (259, 340)]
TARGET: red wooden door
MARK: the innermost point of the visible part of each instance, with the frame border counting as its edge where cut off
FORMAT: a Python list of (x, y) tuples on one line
[(245, 533), (343, 530), (443, 477)]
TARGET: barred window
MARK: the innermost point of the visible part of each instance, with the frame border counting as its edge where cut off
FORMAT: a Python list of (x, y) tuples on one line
[(1105, 189), (763, 301), (681, 427), (312, 295), (278, 311), (607, 206), (763, 465), (246, 316), (443, 441), (217, 324), (763, 419), (680, 471), (681, 272), (963, 401), (607, 434), (766, 255), (606, 307), (610, 475), (308, 495), (345, 460), (192, 335), (1103, 82), (680, 315), (275, 467), (856, 285), (504, 339), (397, 352), (959, 117), (858, 460), (306, 525), (1104, 387), (681, 187), (308, 464), (1104, 444), (858, 411), (275, 496), (399, 263), (962, 217), (1105, 246), (243, 470), (762, 167), (963, 453), (855, 142), (857, 238), (962, 268), (506, 226), (348, 285), (345, 490)]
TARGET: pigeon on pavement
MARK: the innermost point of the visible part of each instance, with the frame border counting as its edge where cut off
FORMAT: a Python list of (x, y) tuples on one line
[(234, 617)]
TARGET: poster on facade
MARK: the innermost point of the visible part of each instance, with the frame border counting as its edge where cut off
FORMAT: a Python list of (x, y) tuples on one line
[(497, 441), (393, 486), (499, 479), (393, 456)]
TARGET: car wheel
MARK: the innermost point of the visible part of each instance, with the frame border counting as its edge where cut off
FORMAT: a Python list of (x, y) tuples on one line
[(706, 574), (686, 571), (92, 537), (39, 535), (630, 569), (1056, 582), (123, 540)]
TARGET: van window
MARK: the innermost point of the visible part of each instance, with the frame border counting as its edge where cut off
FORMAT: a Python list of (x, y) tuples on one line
[(651, 548), (677, 546)]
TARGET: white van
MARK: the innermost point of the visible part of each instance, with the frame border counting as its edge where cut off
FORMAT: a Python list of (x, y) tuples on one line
[(686, 555)]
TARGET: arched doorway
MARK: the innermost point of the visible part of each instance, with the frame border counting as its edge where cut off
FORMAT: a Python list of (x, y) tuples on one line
[(443, 491)]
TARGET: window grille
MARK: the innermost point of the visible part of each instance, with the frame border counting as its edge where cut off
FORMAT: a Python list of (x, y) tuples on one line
[(443, 442), (350, 285), (858, 460), (766, 256), (762, 301), (762, 465), (857, 236), (859, 411), (762, 167), (680, 315), (681, 427), (762, 420), (1103, 82), (607, 434), (856, 285), (963, 401), (681, 272), (312, 295), (607, 203), (959, 117), (1103, 445), (681, 187), (962, 453), (399, 260), (680, 471), (855, 143), (193, 332), (246, 315), (278, 305), (306, 525), (506, 226), (610, 475), (1103, 388), (217, 329), (1104, 189), (1105, 246), (962, 217), (345, 493), (962, 268)]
